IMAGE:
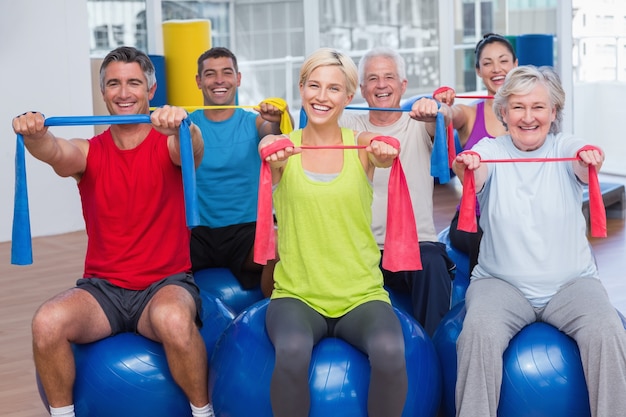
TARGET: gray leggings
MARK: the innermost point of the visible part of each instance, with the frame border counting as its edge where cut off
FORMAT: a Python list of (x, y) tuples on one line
[(373, 328), (497, 311)]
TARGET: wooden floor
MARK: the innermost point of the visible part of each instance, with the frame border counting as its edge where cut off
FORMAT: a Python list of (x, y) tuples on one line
[(58, 262)]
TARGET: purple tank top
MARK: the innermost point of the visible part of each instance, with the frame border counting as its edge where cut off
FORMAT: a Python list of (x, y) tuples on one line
[(479, 130)]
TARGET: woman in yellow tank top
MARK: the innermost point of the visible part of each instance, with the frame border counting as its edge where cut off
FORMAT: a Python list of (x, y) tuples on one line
[(328, 281)]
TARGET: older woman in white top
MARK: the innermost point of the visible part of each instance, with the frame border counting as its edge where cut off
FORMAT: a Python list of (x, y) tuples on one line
[(535, 263)]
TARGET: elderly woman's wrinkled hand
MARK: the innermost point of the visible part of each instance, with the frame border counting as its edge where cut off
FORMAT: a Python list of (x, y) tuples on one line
[(593, 157), (471, 160)]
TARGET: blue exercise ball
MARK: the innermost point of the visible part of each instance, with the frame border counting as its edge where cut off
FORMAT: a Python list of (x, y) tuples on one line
[(222, 284), (243, 362), (216, 316), (462, 273), (128, 374), (542, 371), (125, 375), (543, 375), (444, 339)]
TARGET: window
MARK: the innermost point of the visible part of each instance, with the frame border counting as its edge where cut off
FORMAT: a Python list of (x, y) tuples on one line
[(101, 36)]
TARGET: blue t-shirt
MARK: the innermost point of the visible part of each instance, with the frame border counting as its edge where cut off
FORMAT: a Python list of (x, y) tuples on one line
[(228, 177)]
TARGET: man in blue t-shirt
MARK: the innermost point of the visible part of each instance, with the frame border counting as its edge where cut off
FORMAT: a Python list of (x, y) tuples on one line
[(228, 177)]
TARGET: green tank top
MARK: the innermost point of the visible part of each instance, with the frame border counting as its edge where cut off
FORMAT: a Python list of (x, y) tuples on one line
[(329, 258)]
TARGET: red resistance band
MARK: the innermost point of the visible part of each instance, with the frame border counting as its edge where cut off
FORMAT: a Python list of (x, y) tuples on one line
[(466, 96), (401, 243), (467, 211)]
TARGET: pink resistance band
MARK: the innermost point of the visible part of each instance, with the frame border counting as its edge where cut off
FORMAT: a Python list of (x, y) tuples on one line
[(467, 211), (401, 243)]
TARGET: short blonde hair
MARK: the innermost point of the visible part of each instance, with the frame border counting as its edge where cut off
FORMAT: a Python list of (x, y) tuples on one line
[(522, 80), (327, 57)]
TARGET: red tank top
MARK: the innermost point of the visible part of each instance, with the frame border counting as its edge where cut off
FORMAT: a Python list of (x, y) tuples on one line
[(134, 213)]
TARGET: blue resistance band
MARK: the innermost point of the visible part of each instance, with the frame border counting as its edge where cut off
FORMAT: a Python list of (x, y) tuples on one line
[(21, 245), (438, 158), (439, 166)]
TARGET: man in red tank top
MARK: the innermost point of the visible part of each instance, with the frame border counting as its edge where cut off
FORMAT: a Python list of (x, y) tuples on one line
[(137, 268)]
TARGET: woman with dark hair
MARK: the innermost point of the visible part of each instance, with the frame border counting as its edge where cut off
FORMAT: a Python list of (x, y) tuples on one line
[(495, 57)]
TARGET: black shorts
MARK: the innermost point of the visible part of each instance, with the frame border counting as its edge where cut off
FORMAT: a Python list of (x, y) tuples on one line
[(123, 307), (225, 247)]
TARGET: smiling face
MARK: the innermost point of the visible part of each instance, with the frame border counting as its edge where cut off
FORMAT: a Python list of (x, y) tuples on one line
[(218, 81), (494, 63), (529, 117), (324, 94), (126, 89), (381, 85)]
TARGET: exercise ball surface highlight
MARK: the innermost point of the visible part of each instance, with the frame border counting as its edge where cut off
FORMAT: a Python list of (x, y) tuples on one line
[(216, 316)]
